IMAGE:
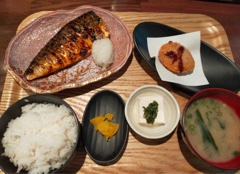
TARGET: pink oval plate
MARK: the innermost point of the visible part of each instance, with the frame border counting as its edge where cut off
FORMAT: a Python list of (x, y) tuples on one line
[(27, 43)]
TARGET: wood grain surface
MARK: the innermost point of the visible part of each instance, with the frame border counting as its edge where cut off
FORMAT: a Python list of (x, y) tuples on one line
[(13, 12), (166, 155)]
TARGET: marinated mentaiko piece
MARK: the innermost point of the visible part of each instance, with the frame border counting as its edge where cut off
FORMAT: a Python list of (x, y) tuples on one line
[(71, 44), (176, 58)]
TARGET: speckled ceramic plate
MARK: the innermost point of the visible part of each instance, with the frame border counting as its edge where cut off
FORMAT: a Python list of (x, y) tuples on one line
[(28, 42)]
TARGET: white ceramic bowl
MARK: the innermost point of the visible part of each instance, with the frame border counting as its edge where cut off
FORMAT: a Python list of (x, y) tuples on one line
[(171, 112)]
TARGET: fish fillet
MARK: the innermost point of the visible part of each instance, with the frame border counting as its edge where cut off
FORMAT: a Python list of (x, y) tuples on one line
[(71, 44)]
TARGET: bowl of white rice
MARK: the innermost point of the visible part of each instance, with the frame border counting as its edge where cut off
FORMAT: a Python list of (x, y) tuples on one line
[(39, 134)]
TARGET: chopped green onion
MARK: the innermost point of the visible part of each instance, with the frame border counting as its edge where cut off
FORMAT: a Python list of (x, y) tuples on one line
[(206, 135), (189, 116), (196, 121), (236, 153), (191, 127), (217, 105), (217, 110), (224, 105), (220, 123), (193, 105), (211, 100), (209, 122)]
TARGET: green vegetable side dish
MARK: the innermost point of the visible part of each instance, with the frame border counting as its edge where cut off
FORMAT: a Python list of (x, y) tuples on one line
[(150, 112)]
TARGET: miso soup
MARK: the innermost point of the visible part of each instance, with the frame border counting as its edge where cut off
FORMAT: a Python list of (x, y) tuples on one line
[(213, 129)]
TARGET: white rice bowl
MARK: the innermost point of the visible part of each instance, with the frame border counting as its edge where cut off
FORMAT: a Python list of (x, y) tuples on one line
[(102, 52), (41, 139)]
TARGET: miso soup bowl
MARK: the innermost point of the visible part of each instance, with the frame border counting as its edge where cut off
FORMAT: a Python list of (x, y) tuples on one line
[(231, 99)]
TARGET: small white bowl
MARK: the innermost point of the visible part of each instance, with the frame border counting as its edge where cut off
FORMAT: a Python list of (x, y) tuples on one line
[(171, 112)]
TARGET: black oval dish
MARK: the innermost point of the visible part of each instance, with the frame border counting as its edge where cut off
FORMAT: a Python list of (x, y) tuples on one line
[(14, 111), (220, 71), (101, 151)]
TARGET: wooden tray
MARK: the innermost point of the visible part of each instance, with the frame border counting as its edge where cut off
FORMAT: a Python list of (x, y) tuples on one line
[(167, 155)]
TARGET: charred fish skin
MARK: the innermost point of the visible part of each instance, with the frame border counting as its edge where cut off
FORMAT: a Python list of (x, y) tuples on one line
[(71, 44)]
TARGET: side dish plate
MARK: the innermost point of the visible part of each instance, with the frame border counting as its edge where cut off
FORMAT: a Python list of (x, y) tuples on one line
[(28, 42), (101, 151), (220, 71)]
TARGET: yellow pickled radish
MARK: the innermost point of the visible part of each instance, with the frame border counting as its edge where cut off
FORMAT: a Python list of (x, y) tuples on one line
[(105, 126)]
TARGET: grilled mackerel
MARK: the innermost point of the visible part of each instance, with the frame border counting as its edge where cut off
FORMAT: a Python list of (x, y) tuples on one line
[(70, 45)]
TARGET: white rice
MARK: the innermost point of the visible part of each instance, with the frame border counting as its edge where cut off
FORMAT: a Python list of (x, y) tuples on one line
[(102, 52), (41, 139)]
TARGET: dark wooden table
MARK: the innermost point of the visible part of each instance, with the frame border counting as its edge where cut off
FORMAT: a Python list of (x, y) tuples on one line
[(222, 17)]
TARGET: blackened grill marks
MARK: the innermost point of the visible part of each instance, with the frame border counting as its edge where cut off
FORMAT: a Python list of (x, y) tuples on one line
[(29, 71), (74, 38), (59, 59), (83, 51), (93, 38), (98, 31), (84, 35), (80, 32), (70, 38), (86, 26), (71, 44), (48, 59), (76, 28), (177, 56), (72, 56)]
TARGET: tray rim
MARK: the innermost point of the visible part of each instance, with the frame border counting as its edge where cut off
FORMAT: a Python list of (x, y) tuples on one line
[(12, 91)]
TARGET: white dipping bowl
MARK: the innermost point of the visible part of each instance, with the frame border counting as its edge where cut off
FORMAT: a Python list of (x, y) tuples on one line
[(171, 112)]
